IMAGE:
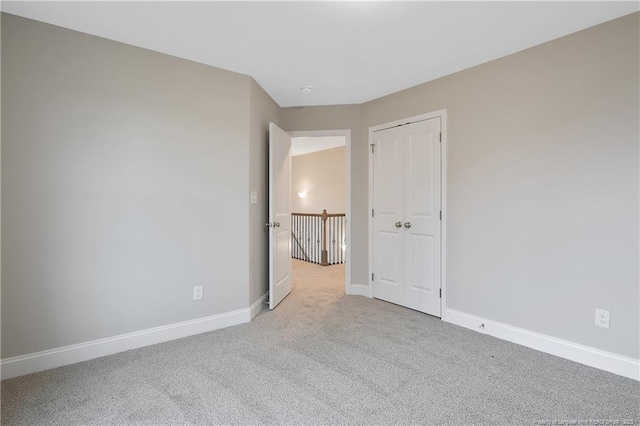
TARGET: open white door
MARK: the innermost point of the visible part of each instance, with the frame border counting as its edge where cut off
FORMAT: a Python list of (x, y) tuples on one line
[(279, 224)]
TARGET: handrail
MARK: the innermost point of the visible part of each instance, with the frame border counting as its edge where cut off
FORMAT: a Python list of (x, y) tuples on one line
[(319, 214)]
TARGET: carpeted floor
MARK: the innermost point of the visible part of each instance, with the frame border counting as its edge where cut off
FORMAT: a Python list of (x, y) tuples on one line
[(325, 358)]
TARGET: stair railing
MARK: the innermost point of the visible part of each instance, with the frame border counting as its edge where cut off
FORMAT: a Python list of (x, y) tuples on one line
[(319, 238)]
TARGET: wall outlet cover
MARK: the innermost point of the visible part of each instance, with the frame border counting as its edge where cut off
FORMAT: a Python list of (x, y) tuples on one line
[(602, 318), (198, 292)]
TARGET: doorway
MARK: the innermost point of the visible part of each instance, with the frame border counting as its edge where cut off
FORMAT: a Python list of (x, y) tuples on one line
[(321, 201)]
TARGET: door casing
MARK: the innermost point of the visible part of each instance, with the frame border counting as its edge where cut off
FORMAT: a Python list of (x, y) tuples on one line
[(442, 114)]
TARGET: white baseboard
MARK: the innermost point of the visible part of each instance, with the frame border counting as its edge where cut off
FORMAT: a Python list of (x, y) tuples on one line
[(258, 306), (45, 360), (360, 290), (613, 363)]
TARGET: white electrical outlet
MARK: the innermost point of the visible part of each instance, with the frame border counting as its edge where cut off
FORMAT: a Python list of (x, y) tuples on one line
[(198, 292), (602, 318), (254, 197)]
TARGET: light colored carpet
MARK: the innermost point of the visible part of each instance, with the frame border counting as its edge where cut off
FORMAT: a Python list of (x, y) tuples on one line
[(325, 358)]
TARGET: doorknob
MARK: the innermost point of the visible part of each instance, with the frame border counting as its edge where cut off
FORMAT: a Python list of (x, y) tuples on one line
[(277, 224), (407, 224), (398, 224)]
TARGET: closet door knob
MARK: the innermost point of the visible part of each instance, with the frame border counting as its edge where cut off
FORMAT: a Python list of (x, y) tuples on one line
[(407, 225), (398, 224)]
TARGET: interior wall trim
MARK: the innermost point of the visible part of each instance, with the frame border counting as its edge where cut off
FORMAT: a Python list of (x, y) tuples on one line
[(53, 358), (360, 290), (607, 361), (258, 305)]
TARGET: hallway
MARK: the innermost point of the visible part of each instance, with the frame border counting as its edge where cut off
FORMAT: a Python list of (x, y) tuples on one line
[(310, 278)]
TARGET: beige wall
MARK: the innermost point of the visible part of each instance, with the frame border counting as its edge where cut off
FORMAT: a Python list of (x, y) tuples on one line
[(323, 175), (542, 184), (126, 165), (263, 111), (121, 169)]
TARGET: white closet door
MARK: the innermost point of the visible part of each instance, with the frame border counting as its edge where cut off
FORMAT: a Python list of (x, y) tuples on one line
[(421, 211), (387, 215), (406, 222)]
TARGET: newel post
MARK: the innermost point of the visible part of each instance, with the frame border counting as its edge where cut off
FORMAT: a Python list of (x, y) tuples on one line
[(324, 238)]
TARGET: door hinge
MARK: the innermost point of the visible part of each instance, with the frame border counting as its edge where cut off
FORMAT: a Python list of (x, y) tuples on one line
[(440, 214), (372, 213), (440, 293), (373, 148), (440, 136), (372, 277)]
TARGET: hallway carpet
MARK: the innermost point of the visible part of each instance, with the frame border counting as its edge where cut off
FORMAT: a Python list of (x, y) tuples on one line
[(323, 357)]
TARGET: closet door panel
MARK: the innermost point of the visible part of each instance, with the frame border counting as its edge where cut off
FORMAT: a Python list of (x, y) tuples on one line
[(421, 211), (388, 267)]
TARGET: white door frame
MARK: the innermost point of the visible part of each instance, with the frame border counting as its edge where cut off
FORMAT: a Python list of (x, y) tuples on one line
[(442, 114), (347, 134)]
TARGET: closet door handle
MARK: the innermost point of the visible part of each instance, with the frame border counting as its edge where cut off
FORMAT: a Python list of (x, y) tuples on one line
[(407, 225), (398, 224)]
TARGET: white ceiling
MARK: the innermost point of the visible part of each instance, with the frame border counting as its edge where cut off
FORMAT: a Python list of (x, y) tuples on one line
[(307, 145), (349, 52)]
